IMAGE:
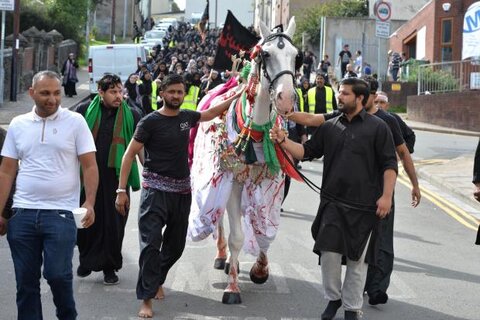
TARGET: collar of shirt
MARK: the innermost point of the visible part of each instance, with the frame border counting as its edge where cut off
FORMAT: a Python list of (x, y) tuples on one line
[(361, 115), (36, 117)]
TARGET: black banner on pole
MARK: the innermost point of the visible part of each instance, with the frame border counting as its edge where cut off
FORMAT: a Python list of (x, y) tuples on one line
[(234, 37)]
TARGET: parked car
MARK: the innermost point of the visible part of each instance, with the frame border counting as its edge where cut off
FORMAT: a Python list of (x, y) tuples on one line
[(162, 26), (119, 59), (153, 38)]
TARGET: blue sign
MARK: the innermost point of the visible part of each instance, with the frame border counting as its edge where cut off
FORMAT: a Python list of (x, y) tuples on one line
[(472, 20)]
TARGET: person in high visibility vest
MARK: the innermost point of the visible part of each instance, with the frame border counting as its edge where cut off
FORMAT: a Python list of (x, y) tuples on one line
[(191, 98), (321, 98)]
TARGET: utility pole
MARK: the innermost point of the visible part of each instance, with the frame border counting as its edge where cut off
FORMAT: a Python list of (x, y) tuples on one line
[(16, 45), (125, 13), (112, 29)]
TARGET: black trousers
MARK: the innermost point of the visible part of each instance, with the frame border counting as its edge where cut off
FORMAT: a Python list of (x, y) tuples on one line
[(378, 276), (159, 251)]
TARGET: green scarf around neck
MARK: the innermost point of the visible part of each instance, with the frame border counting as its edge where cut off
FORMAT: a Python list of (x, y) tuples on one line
[(123, 130)]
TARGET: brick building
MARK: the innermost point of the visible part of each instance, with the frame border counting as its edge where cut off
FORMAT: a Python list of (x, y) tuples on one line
[(434, 33)]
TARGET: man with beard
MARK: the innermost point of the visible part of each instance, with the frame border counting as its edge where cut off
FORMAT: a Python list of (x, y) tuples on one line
[(358, 151), (49, 145), (112, 123), (166, 196), (378, 279)]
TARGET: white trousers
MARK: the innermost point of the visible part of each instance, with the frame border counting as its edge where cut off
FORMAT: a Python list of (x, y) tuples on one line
[(356, 274)]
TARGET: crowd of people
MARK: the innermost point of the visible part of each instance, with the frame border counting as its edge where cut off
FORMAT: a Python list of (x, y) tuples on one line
[(106, 136)]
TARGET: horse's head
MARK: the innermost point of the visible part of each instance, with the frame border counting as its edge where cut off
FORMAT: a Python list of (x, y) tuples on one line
[(278, 57)]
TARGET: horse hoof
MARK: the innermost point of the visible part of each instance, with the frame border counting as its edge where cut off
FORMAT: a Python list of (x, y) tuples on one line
[(231, 298), (258, 280), (227, 268), (219, 263)]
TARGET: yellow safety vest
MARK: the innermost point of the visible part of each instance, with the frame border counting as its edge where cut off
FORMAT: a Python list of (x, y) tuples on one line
[(300, 99), (190, 100), (154, 95), (328, 97)]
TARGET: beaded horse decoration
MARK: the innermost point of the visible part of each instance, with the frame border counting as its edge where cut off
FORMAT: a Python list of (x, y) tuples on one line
[(237, 168)]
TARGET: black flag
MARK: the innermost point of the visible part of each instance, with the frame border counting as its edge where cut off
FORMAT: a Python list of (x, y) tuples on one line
[(234, 37), (202, 25)]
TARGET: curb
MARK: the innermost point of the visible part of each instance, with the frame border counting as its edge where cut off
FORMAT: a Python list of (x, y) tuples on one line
[(444, 185), (445, 130)]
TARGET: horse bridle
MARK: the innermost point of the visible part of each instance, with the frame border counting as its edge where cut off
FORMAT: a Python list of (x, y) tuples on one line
[(263, 56)]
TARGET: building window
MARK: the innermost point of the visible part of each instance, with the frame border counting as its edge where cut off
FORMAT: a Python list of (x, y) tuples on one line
[(446, 54), (446, 40), (447, 31)]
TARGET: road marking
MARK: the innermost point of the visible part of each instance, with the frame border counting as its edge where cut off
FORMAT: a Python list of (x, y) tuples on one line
[(448, 207)]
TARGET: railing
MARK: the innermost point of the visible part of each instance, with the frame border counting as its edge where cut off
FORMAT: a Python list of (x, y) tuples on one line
[(455, 76)]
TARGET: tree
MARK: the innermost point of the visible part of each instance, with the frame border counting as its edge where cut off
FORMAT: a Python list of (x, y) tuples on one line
[(68, 17), (308, 20)]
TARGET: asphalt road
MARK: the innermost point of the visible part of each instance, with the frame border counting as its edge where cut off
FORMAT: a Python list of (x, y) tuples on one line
[(436, 275)]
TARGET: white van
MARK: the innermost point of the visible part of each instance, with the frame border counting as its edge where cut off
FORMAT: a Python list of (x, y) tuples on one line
[(119, 59)]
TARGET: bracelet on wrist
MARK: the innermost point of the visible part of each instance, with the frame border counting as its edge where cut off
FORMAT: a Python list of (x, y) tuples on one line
[(283, 140), (120, 190)]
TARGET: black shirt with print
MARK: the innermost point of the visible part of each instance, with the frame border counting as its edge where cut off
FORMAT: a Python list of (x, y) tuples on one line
[(165, 140)]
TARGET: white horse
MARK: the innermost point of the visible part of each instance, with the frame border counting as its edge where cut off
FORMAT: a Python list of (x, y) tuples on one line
[(238, 168)]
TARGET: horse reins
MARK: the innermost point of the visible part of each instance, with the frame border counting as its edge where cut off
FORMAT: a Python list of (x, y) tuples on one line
[(327, 195)]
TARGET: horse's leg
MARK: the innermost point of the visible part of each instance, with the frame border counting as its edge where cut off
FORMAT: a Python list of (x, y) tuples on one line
[(259, 271), (231, 294), (221, 257)]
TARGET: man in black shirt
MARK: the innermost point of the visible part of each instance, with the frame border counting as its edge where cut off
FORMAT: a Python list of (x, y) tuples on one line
[(166, 196), (407, 132), (358, 151), (378, 278), (344, 58), (100, 246), (476, 182)]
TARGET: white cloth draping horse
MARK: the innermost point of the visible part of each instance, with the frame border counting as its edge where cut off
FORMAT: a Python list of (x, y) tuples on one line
[(237, 168)]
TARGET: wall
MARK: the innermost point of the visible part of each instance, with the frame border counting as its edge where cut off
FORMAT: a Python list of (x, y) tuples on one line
[(459, 110), (424, 18), (103, 19), (398, 96), (431, 17), (339, 31), (401, 10)]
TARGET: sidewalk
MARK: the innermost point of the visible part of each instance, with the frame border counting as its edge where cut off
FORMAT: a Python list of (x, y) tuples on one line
[(451, 175), (24, 103)]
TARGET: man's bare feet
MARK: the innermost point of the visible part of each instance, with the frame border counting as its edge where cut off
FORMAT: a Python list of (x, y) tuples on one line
[(160, 294), (146, 310)]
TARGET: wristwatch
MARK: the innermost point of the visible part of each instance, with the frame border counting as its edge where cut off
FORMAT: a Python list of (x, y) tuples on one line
[(121, 190)]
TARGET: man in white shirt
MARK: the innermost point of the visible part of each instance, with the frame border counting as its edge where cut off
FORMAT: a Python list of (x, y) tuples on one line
[(48, 146)]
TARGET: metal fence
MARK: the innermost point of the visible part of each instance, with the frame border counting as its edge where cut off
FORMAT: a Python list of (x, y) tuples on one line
[(455, 76)]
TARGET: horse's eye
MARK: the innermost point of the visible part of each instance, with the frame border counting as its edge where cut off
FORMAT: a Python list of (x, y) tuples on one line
[(266, 54)]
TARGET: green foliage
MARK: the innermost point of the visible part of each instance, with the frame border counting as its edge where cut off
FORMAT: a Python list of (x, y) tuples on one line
[(434, 78), (308, 20), (68, 17), (398, 109)]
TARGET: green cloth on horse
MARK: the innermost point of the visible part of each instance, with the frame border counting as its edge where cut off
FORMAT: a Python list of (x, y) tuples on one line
[(122, 134)]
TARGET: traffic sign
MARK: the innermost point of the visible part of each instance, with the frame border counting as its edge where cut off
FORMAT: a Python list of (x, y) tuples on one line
[(383, 11), (382, 29), (7, 5)]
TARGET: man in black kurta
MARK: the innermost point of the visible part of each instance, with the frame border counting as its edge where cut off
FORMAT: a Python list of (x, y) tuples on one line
[(100, 246), (476, 182), (359, 175)]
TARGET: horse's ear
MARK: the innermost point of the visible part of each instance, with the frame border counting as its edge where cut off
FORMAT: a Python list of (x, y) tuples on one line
[(291, 27), (264, 31)]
